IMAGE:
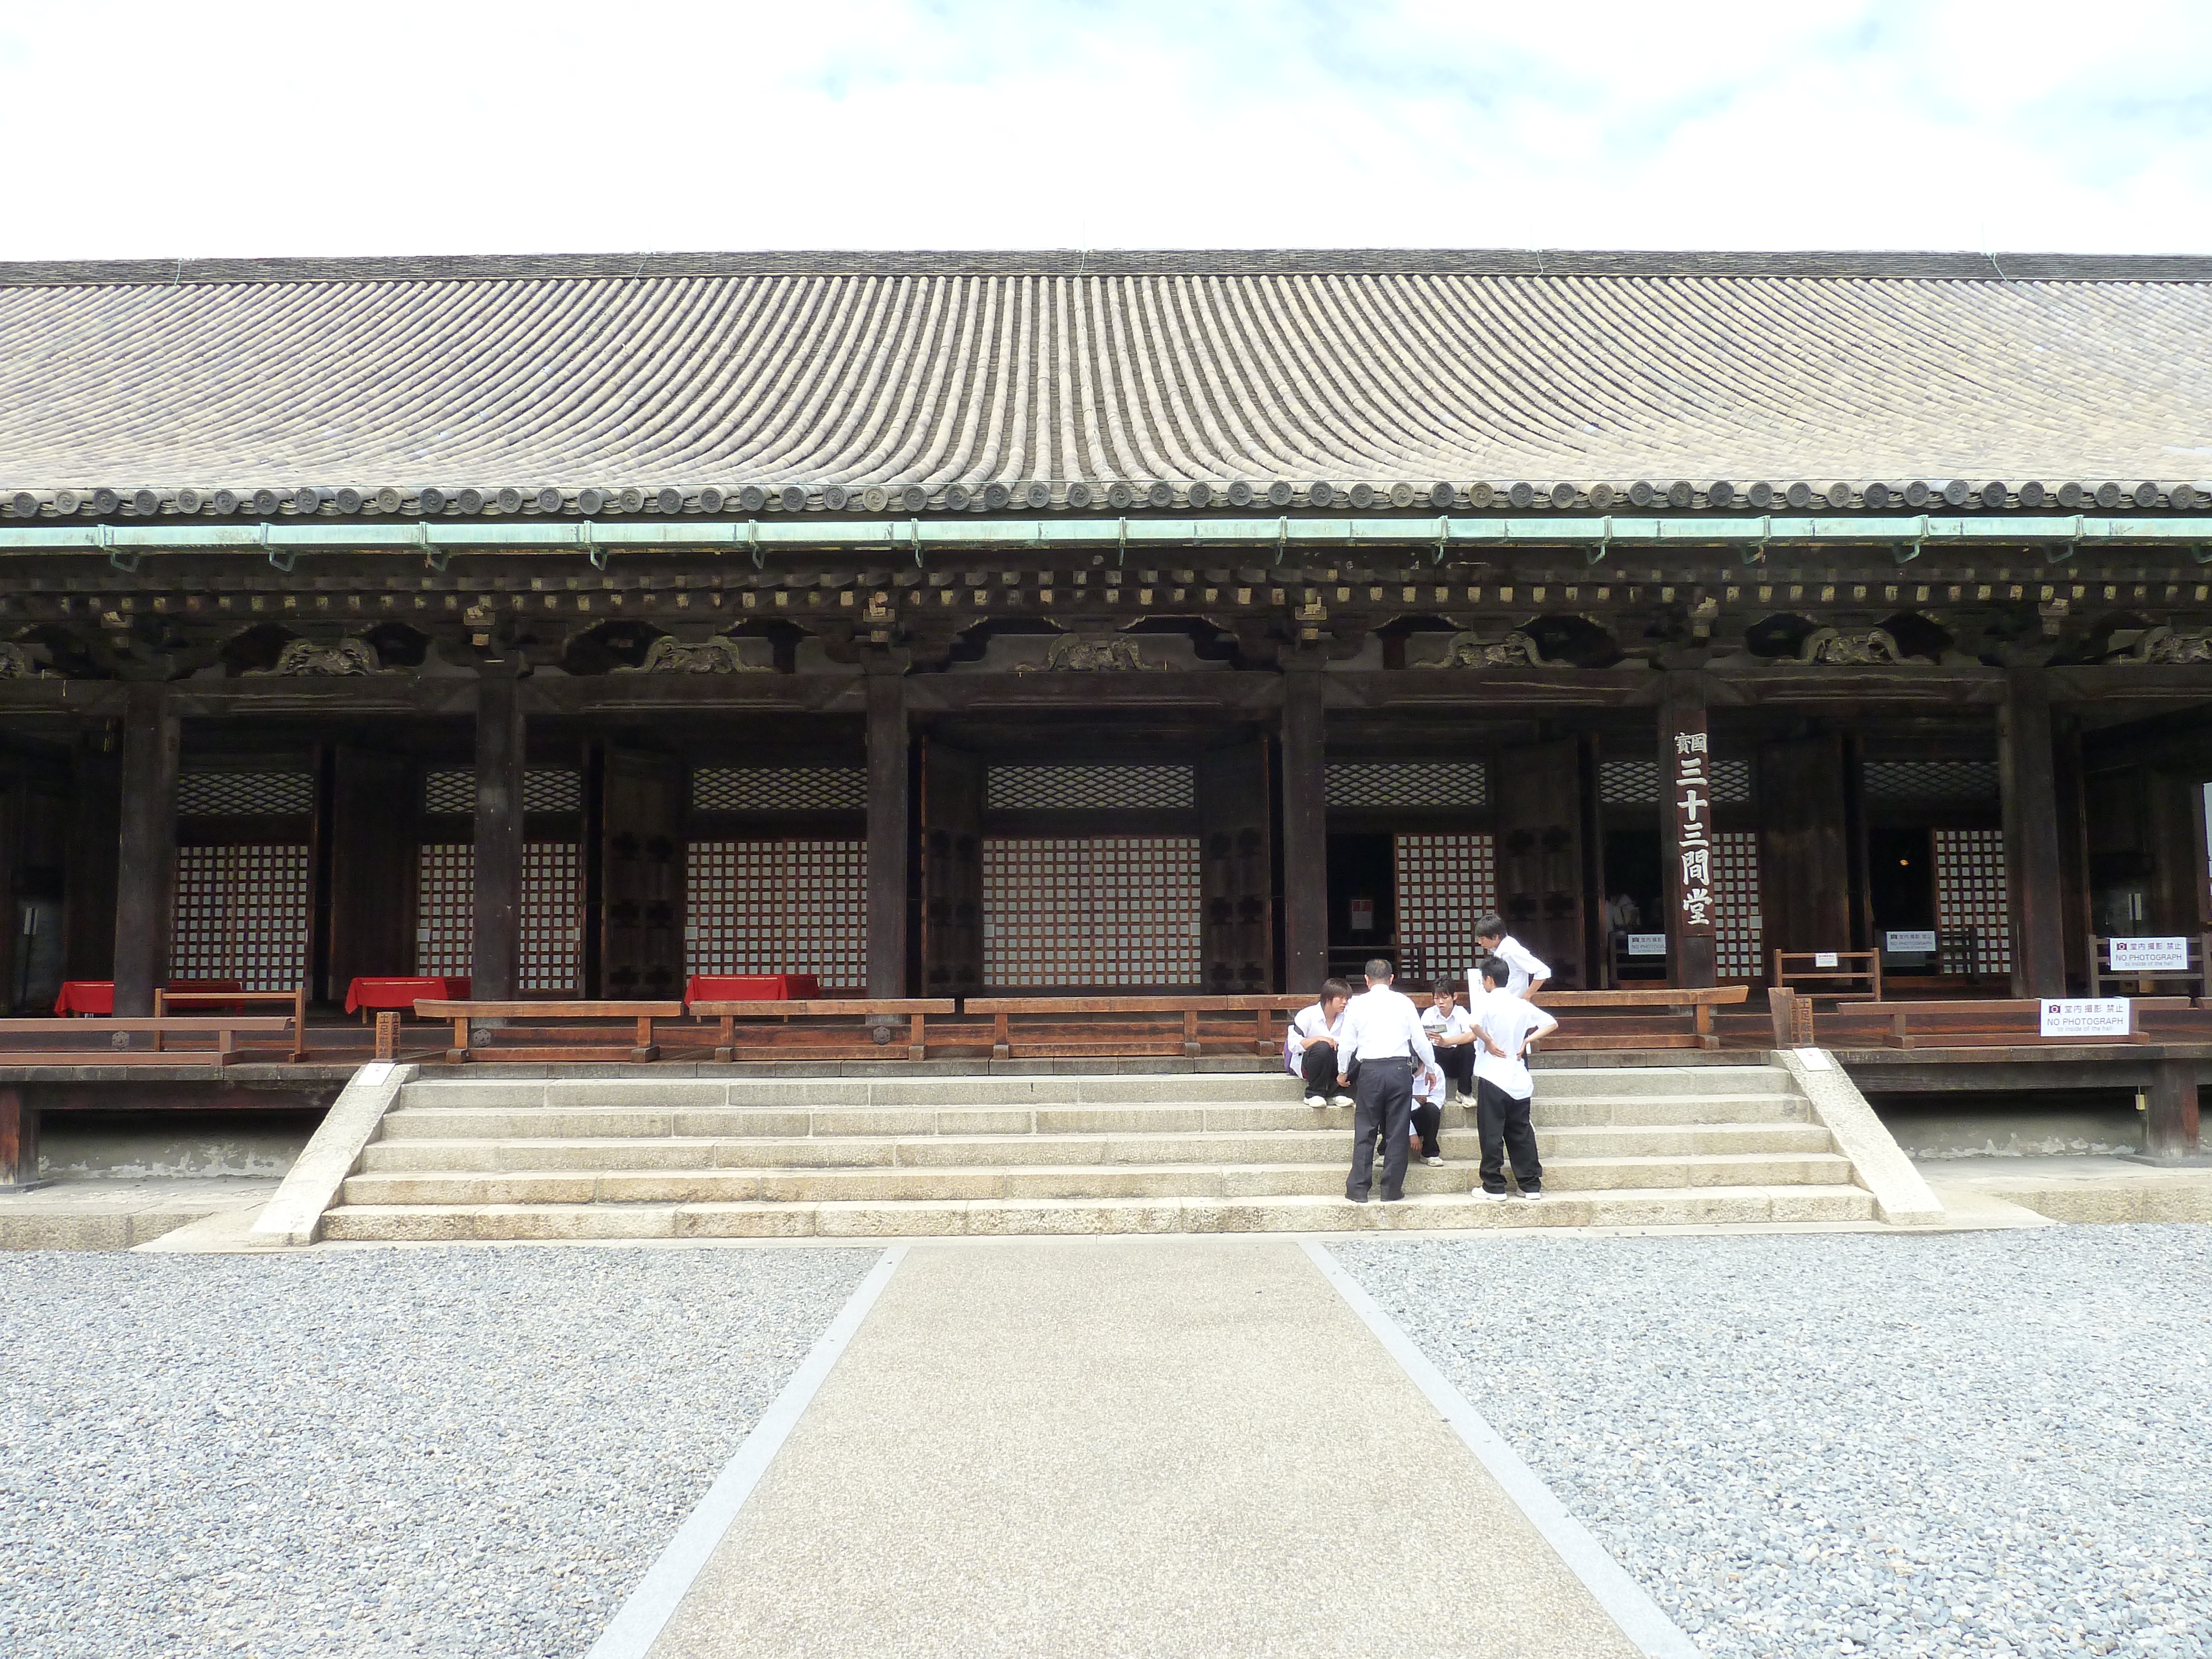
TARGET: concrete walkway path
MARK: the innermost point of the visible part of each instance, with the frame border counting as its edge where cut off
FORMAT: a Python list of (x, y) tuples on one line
[(1151, 1447)]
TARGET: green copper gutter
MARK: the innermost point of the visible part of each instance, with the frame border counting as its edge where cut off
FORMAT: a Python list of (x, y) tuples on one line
[(760, 536)]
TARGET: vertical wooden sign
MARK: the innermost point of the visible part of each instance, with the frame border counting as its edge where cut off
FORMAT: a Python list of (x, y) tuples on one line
[(1692, 795)]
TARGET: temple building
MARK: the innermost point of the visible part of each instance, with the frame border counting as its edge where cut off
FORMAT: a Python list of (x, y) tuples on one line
[(943, 623)]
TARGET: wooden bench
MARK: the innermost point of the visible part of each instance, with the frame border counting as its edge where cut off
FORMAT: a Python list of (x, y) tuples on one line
[(295, 999), (79, 1034), (1991, 1022), (469, 1037), (1674, 1002), (1803, 972), (877, 1019), (1138, 1026)]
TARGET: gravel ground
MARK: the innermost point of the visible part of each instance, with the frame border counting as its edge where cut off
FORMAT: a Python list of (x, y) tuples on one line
[(1840, 1444), (398, 1452)]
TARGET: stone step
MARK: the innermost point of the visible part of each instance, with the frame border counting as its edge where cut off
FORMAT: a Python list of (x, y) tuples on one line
[(440, 1122), (1641, 1208), (1096, 1180)]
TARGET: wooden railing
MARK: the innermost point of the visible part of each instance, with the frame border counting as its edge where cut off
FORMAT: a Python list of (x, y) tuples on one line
[(2000, 1022), (2103, 978), (841, 1028), (1825, 973), (1071, 1027), (1646, 1020), (79, 1038), (168, 998), (474, 1023)]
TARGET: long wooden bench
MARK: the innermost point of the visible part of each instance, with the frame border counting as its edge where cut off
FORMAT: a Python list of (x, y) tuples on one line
[(1644, 1019), (79, 1036), (472, 1040), (296, 999), (836, 1028), (1057, 1028)]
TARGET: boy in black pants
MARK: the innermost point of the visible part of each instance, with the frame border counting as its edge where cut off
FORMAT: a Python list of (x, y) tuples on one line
[(1502, 1087)]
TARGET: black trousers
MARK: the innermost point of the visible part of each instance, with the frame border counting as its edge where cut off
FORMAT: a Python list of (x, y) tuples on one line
[(1457, 1064), (1318, 1066), (1428, 1122), (1502, 1124), (1383, 1090)]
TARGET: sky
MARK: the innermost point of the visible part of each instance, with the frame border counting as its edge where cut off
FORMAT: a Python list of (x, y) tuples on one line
[(136, 129)]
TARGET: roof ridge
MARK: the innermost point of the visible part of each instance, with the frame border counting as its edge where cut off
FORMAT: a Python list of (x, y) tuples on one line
[(1547, 263)]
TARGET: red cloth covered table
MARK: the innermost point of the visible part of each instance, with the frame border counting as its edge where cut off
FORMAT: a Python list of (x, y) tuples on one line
[(403, 992), (752, 987), (97, 996)]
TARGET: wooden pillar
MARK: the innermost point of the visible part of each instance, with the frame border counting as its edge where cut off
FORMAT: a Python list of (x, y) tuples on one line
[(96, 836), (495, 961), (1305, 828), (888, 789), (373, 840), (1804, 860), (146, 861), (2034, 892), (1682, 737), (19, 1139), (2071, 795), (2169, 1128)]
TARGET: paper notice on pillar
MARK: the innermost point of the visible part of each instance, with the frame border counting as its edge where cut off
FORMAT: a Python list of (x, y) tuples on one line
[(2150, 955), (2100, 1017)]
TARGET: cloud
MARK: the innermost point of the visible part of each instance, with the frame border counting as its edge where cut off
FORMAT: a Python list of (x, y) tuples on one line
[(251, 127)]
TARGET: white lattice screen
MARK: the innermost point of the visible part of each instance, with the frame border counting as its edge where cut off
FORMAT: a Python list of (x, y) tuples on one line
[(1087, 789), (1636, 782), (216, 794), (545, 789), (1974, 781), (1738, 927), (1105, 910), (1974, 930), (1407, 783), (779, 789), (1444, 883), (241, 913), (778, 907), (444, 912)]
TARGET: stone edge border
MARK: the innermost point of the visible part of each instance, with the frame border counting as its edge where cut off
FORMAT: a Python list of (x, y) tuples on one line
[(1902, 1195), (295, 1216), (638, 1623), (1624, 1601)]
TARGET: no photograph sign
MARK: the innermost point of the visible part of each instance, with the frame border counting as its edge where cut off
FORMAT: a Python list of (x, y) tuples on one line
[(2101, 1017), (2150, 955)]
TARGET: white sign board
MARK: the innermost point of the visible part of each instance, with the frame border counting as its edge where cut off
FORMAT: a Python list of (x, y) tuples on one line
[(1921, 943), (2103, 1016), (1647, 945), (2150, 955), (1823, 958)]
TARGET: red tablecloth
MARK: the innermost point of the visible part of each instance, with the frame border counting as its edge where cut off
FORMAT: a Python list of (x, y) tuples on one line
[(97, 996), (403, 992), (752, 987)]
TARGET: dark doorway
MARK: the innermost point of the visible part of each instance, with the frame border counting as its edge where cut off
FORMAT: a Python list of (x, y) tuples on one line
[(1632, 872), (1362, 870), (1901, 878)]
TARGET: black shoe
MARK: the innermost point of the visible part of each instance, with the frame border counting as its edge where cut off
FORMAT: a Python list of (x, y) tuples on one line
[(1357, 1198), (1393, 1198)]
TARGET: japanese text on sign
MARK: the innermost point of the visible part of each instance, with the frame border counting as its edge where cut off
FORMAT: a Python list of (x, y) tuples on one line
[(1693, 830), (2150, 955), (2105, 1017)]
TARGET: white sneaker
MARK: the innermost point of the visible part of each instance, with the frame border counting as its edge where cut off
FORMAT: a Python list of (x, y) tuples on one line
[(1316, 1103), (1531, 1198), (1343, 1100), (1465, 1100), (1434, 1163), (1494, 1198)]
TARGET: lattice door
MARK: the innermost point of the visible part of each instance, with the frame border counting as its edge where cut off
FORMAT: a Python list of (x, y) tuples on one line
[(1973, 931), (951, 872), (1109, 910), (1444, 883), (1237, 881), (242, 913), (1738, 926), (1540, 853), (778, 907), (642, 875), (444, 912)]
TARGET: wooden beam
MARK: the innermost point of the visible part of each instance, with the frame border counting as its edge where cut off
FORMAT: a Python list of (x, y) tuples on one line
[(2027, 780), (146, 864), (2170, 1125), (888, 792), (1305, 827), (496, 962), (19, 1139)]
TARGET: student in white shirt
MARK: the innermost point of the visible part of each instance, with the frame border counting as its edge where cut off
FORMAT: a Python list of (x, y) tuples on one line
[(1525, 975), (1502, 1089), (1309, 1050), (1383, 1042), (1429, 1112), (1451, 1028)]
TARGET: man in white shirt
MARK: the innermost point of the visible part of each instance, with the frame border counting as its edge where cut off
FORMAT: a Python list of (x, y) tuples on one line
[(1525, 975), (1503, 1088), (1451, 1028), (1310, 1050), (1381, 1044)]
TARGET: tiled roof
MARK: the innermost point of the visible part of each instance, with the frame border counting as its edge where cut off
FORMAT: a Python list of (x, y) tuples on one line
[(859, 369)]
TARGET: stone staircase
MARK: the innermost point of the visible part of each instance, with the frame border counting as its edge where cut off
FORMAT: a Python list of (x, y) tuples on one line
[(470, 1157)]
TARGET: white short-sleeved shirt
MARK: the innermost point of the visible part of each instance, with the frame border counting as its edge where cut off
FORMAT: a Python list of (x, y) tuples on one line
[(1383, 1024), (1307, 1025), (1436, 1023), (1526, 968), (1429, 1087), (1506, 1021)]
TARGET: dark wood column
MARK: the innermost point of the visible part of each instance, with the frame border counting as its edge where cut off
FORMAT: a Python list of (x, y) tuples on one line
[(2034, 891), (495, 961), (1681, 721), (373, 838), (1804, 860), (146, 863), (887, 828), (19, 1139), (1305, 828), (2169, 1128), (95, 830)]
